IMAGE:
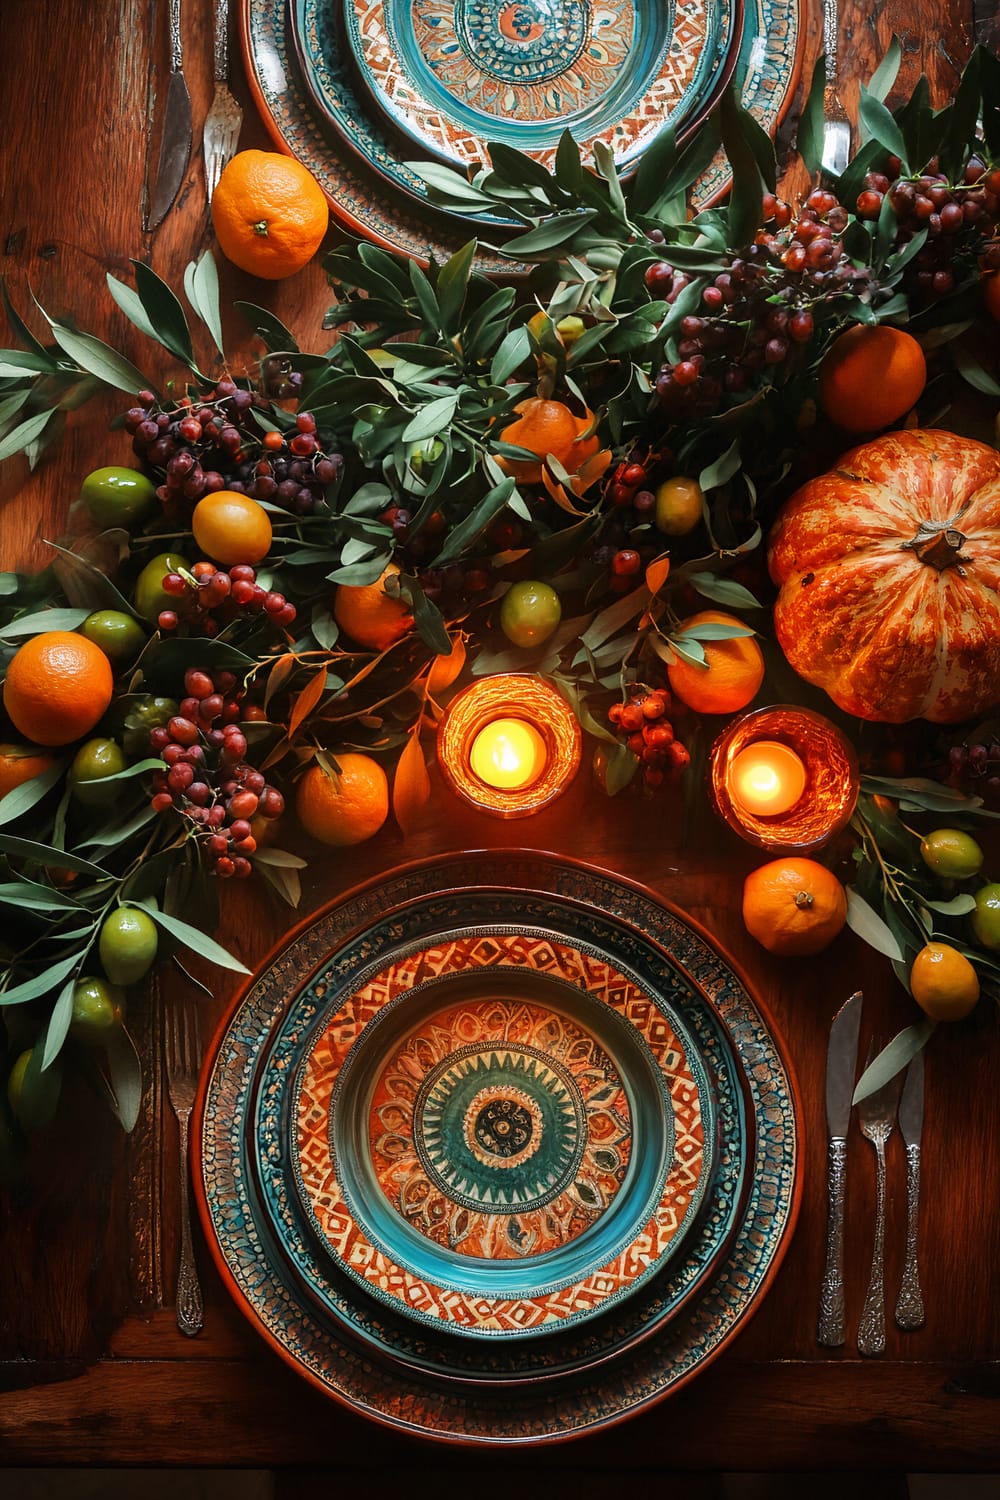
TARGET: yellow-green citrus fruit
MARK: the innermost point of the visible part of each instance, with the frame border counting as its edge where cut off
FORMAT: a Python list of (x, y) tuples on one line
[(143, 713), (118, 497), (529, 612), (149, 597), (943, 982), (951, 853), (986, 917), (127, 944), (33, 1094), (98, 1010), (120, 636), (95, 760), (679, 505)]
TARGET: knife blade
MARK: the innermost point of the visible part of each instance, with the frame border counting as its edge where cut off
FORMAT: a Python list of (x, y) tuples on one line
[(175, 141), (841, 1064), (910, 1302)]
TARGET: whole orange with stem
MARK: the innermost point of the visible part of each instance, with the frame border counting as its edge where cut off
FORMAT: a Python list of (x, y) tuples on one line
[(544, 426), (943, 982), (371, 616), (794, 906), (58, 686), (270, 214), (20, 763), (231, 528), (346, 808), (731, 675), (870, 377)]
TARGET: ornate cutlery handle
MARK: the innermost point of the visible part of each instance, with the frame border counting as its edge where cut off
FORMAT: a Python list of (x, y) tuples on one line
[(190, 1312), (831, 24), (831, 1297), (221, 64), (910, 1303), (871, 1329), (176, 45)]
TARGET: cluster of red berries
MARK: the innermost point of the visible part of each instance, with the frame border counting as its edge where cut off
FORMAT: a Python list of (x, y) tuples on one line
[(207, 778), (198, 447), (643, 724), (217, 596), (947, 211)]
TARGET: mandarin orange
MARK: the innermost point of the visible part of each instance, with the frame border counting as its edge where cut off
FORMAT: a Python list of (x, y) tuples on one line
[(870, 377), (58, 686), (270, 214)]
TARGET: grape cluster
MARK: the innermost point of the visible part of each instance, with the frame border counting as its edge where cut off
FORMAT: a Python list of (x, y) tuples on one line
[(219, 596), (207, 778), (643, 724), (947, 211), (974, 767), (198, 447)]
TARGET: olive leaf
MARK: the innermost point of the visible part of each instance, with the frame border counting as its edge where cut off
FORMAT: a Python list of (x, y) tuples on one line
[(192, 937), (866, 922), (893, 1058)]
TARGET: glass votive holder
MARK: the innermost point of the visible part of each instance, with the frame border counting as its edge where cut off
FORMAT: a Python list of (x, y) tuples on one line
[(509, 744), (829, 789)]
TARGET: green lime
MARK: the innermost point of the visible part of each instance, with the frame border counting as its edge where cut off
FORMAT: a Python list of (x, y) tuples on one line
[(529, 613), (143, 713), (986, 917), (95, 760), (120, 636), (149, 597), (127, 944), (33, 1094), (118, 497), (951, 853), (679, 506), (98, 1009)]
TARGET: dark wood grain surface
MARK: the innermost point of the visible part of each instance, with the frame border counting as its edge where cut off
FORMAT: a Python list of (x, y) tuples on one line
[(92, 1368)]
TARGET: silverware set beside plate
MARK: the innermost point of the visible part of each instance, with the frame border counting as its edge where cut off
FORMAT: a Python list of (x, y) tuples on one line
[(899, 1102), (220, 132)]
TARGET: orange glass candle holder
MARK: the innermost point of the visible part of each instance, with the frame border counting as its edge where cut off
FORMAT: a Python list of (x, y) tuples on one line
[(827, 798), (509, 744)]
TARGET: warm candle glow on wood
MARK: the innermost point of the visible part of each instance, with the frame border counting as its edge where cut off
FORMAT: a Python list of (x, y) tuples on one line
[(507, 754), (767, 778)]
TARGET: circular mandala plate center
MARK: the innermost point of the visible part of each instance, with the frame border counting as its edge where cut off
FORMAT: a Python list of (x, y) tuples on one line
[(522, 41)]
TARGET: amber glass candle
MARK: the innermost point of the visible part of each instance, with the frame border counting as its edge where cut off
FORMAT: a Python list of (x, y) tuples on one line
[(509, 744)]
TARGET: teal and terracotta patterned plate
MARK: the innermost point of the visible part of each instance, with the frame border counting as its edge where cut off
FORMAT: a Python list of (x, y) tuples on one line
[(323, 115), (592, 1382), (454, 75)]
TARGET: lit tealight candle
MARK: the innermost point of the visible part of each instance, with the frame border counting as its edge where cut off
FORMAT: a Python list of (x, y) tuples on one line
[(508, 754), (767, 778)]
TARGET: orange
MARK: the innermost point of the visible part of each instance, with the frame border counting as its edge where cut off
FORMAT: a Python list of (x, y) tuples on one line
[(545, 427), (369, 615), (793, 906), (444, 669), (231, 528), (871, 376), (19, 763), (733, 670), (57, 687), (943, 982), (344, 809), (991, 294), (270, 214)]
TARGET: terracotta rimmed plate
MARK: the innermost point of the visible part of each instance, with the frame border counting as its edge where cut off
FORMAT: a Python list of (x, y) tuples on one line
[(372, 191), (580, 1399), (454, 75)]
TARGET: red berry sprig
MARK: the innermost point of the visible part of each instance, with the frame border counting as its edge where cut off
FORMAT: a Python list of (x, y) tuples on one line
[(643, 724), (217, 596)]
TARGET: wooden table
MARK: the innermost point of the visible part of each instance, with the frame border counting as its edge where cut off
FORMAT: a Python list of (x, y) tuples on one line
[(93, 1369)]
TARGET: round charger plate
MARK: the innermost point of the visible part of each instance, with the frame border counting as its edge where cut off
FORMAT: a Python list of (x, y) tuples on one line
[(454, 75), (584, 1395), (374, 194), (498, 1134)]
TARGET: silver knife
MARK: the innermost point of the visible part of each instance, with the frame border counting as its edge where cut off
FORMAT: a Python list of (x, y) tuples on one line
[(841, 1064), (175, 142), (910, 1303)]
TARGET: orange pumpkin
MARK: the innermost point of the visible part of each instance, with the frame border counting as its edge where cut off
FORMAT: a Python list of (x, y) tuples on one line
[(889, 575)]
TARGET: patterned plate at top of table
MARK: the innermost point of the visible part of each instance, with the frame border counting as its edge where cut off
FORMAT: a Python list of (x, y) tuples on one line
[(501, 1133), (455, 75)]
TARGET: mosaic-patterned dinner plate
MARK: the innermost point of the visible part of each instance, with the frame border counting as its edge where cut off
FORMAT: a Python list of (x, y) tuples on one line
[(582, 1394), (455, 75), (374, 193)]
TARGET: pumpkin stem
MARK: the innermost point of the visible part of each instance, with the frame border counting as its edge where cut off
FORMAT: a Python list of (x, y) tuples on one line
[(937, 543), (803, 900)]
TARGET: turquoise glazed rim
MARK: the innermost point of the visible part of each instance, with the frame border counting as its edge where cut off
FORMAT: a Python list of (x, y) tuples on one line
[(655, 1182), (582, 1394), (454, 75)]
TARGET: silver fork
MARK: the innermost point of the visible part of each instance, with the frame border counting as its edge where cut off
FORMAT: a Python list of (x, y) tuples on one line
[(183, 1059), (836, 126), (224, 118), (876, 1116)]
